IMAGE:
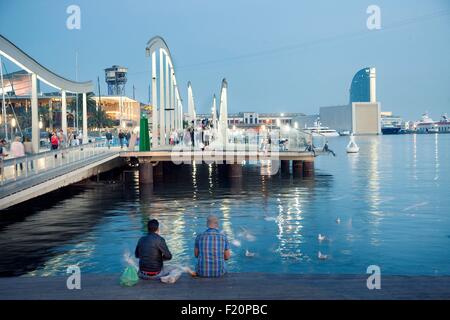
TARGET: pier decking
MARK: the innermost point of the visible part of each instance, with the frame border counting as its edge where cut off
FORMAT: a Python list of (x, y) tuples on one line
[(258, 286), (211, 156)]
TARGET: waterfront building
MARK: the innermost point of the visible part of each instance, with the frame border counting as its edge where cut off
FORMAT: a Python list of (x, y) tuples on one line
[(306, 121), (362, 114), (18, 84), (253, 119), (21, 104), (124, 111), (363, 86)]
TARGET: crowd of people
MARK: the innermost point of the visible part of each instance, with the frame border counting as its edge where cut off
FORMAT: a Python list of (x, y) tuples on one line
[(58, 139), (211, 249), (199, 135)]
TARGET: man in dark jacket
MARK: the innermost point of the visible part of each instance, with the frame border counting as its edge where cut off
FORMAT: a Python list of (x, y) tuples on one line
[(151, 251)]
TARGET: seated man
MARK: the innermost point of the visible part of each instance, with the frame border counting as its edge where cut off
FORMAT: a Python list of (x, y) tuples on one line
[(151, 251), (211, 249)]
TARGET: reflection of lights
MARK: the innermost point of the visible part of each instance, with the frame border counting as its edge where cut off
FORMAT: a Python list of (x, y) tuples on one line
[(225, 209), (194, 180), (436, 156), (374, 189), (13, 122), (415, 156), (210, 177), (290, 227)]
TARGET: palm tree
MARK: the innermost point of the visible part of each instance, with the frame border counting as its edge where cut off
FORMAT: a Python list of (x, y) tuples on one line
[(97, 117)]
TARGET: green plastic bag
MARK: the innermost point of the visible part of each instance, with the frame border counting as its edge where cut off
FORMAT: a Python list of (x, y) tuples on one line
[(129, 277)]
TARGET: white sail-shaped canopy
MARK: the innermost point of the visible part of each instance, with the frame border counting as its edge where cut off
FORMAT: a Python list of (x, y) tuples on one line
[(223, 117), (214, 113), (191, 104)]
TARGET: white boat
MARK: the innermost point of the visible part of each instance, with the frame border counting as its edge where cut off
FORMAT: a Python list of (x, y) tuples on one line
[(352, 147), (426, 125), (318, 131)]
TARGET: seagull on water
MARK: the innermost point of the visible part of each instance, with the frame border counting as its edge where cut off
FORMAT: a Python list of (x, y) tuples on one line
[(321, 237), (322, 256), (338, 220), (236, 243), (249, 254)]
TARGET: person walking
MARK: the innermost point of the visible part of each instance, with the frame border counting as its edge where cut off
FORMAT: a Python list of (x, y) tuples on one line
[(62, 141), (121, 137), (80, 138), (28, 146), (109, 137), (3, 154), (18, 151), (70, 139), (128, 136), (192, 133), (54, 143)]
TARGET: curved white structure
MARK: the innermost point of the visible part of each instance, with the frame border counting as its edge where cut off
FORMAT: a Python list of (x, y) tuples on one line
[(167, 112), (37, 71), (27, 63)]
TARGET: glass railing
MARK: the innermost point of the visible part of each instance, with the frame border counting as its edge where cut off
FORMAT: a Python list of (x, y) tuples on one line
[(22, 167)]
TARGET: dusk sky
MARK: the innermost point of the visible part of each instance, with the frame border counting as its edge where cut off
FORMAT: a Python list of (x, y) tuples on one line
[(278, 56)]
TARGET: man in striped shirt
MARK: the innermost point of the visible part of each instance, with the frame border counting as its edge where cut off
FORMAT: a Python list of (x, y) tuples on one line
[(211, 250)]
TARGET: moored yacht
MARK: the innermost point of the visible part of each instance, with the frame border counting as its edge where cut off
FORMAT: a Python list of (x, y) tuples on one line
[(318, 130), (426, 125)]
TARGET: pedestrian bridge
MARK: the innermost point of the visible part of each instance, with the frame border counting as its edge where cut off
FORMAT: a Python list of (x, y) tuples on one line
[(25, 178)]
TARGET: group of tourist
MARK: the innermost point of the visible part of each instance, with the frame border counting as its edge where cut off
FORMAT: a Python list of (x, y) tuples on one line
[(58, 139), (20, 147), (124, 138), (201, 135), (211, 249)]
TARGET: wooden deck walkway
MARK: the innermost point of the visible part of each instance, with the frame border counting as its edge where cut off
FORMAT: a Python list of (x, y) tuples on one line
[(242, 286)]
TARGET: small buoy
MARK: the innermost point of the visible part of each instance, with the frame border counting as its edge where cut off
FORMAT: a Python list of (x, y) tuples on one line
[(352, 147)]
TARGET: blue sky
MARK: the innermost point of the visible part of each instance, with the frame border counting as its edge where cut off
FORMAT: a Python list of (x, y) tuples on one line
[(284, 56)]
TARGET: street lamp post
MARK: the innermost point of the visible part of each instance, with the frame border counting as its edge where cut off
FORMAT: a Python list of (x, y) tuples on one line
[(13, 126)]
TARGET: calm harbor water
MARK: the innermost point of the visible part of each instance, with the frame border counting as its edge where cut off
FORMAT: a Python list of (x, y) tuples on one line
[(392, 200)]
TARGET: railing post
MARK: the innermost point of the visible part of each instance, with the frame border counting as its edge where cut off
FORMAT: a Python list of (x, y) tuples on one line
[(26, 166), (15, 169)]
